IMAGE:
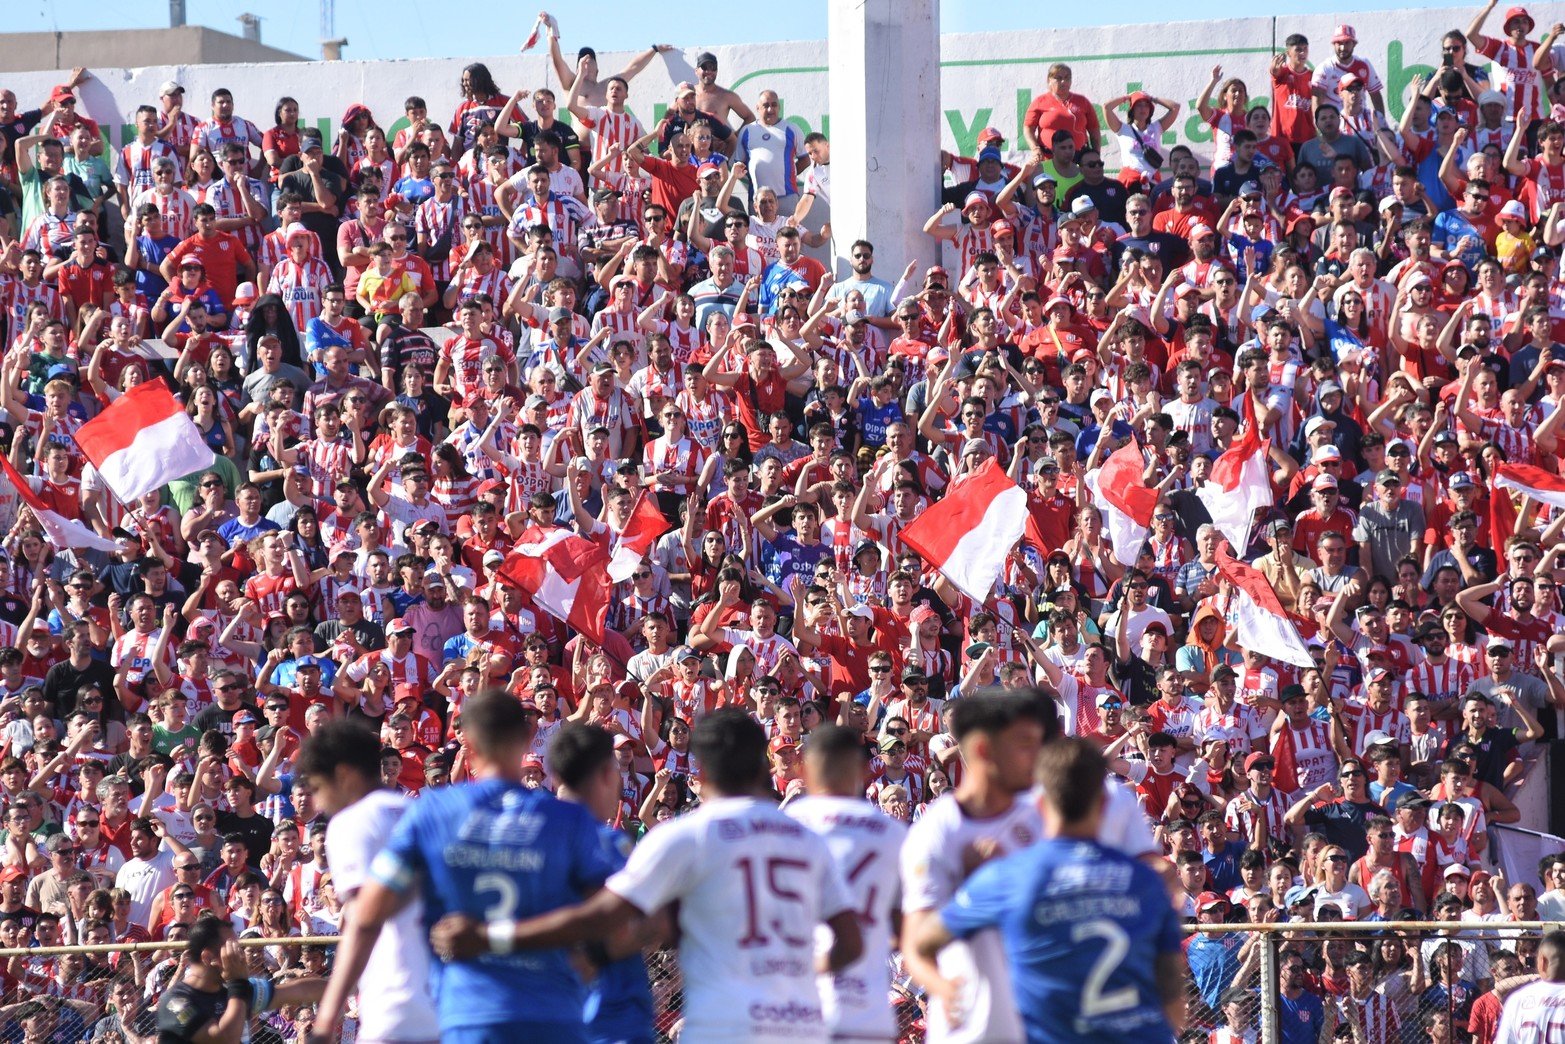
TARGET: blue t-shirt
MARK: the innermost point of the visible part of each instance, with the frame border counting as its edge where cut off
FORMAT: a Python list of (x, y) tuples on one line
[(1450, 228), (874, 420), (619, 1001), (498, 851), (234, 529), (1299, 1020), (151, 283), (414, 190), (1224, 866), (1083, 927), (784, 558)]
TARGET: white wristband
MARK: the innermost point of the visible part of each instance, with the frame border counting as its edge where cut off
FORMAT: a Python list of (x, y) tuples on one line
[(502, 936)]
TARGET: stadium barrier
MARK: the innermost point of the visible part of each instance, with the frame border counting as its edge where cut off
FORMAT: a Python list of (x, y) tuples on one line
[(1421, 972)]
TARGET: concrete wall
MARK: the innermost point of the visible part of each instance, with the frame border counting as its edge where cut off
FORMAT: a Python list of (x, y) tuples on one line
[(192, 44), (986, 79)]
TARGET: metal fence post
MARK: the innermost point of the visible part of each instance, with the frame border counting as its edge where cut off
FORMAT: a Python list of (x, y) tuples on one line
[(1269, 988)]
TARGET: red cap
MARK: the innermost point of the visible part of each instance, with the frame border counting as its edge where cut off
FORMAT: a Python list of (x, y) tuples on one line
[(1344, 34), (406, 691), (1001, 227), (61, 93), (531, 761), (780, 743), (988, 135), (1512, 13), (1207, 900)]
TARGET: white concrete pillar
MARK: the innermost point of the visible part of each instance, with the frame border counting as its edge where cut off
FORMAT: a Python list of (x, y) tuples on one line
[(884, 58)]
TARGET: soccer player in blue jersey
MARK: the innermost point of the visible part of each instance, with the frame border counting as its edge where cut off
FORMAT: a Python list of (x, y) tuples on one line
[(1092, 942), (619, 1001), (494, 850)]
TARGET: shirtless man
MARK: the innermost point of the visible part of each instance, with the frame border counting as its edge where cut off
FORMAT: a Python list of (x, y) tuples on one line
[(591, 90), (714, 99)]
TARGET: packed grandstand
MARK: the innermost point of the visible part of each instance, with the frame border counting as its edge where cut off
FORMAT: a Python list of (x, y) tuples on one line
[(1260, 447)]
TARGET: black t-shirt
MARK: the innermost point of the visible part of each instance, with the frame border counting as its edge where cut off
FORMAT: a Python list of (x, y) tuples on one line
[(569, 139), (1494, 754), (335, 176), (1108, 196), (63, 681), (255, 828), (184, 1010), (1165, 246), (215, 717), (1344, 823)]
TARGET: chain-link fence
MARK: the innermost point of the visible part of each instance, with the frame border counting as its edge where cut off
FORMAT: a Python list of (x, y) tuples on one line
[(1368, 983)]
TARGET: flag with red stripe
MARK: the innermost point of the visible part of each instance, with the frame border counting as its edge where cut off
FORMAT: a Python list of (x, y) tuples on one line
[(566, 576), (968, 533), (143, 441)]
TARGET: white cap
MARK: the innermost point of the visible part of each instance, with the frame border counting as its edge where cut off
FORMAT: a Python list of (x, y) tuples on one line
[(170, 87), (1375, 737)]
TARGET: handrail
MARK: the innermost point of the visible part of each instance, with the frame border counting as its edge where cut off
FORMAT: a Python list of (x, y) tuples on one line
[(165, 944)]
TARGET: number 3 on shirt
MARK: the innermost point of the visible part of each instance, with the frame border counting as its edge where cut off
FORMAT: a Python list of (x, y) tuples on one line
[(506, 896), (1116, 944)]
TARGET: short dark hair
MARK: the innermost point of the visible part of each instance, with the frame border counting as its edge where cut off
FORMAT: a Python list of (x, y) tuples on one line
[(1071, 771), (493, 718), (731, 748), (996, 711), (206, 934), (577, 751), (340, 742)]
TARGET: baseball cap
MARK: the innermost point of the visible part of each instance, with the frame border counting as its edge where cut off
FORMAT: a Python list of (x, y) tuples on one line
[(1207, 900), (245, 718), (12, 873), (1298, 894), (406, 691), (1001, 227), (1461, 480), (1413, 800), (683, 88), (886, 744), (1200, 229), (1324, 481), (1388, 478), (1250, 188), (1327, 452), (1082, 204), (1344, 34), (1514, 209), (297, 230), (559, 314), (1106, 698), (781, 743), (1350, 80), (1316, 423), (706, 58), (1341, 192), (1376, 738), (708, 168), (1458, 870), (244, 294), (989, 153), (1491, 98), (1257, 759), (400, 626), (169, 87), (310, 662)]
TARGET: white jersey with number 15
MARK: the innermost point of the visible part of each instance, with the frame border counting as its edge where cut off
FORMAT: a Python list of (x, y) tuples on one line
[(752, 885)]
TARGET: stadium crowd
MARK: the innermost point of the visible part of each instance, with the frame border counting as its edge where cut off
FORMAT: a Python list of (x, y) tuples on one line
[(412, 354)]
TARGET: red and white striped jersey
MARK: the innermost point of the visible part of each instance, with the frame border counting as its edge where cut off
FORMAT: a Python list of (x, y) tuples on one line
[(433, 220), (324, 463), (181, 134), (768, 651), (467, 360), (691, 700), (178, 210), (681, 461), (622, 325), (1440, 682), (213, 134), (455, 495), (1516, 78), (1381, 1023), (301, 286), (1314, 757), (49, 233), (1361, 721), (1239, 727), (495, 283), (1240, 817), (610, 129), (274, 250), (222, 197), (138, 158), (526, 481), (411, 669), (481, 201)]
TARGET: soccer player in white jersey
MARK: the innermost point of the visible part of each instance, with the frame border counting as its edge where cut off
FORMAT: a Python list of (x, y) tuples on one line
[(751, 884), (991, 813), (866, 844), (341, 763), (1535, 1013)]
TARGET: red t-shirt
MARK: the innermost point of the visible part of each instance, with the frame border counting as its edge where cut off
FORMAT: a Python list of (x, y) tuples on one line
[(1048, 114), (221, 256)]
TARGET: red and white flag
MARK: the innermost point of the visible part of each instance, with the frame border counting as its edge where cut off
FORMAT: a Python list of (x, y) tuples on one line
[(567, 577), (544, 19), (636, 540), (1120, 491), (143, 441), (1260, 622), (1239, 485), (968, 533), (1540, 485), (62, 532)]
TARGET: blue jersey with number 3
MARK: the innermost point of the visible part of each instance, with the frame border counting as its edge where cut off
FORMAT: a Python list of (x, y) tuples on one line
[(1083, 927), (498, 851)]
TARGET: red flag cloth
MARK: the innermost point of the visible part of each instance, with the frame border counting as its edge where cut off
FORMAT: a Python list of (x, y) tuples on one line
[(567, 577)]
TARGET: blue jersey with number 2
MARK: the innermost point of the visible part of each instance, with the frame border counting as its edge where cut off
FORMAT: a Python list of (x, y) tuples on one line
[(498, 851), (1083, 926)]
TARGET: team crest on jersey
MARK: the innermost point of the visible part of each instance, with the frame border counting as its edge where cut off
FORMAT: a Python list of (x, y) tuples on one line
[(1304, 1016), (182, 1010), (729, 831)]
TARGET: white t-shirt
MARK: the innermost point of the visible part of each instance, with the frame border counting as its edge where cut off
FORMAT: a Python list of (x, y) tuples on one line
[(752, 882), (394, 998), (866, 843), (1533, 1014), (144, 879), (933, 868)]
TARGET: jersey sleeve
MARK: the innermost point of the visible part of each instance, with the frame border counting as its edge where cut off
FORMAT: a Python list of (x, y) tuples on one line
[(659, 868), (981, 902), (1169, 936), (596, 855)]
